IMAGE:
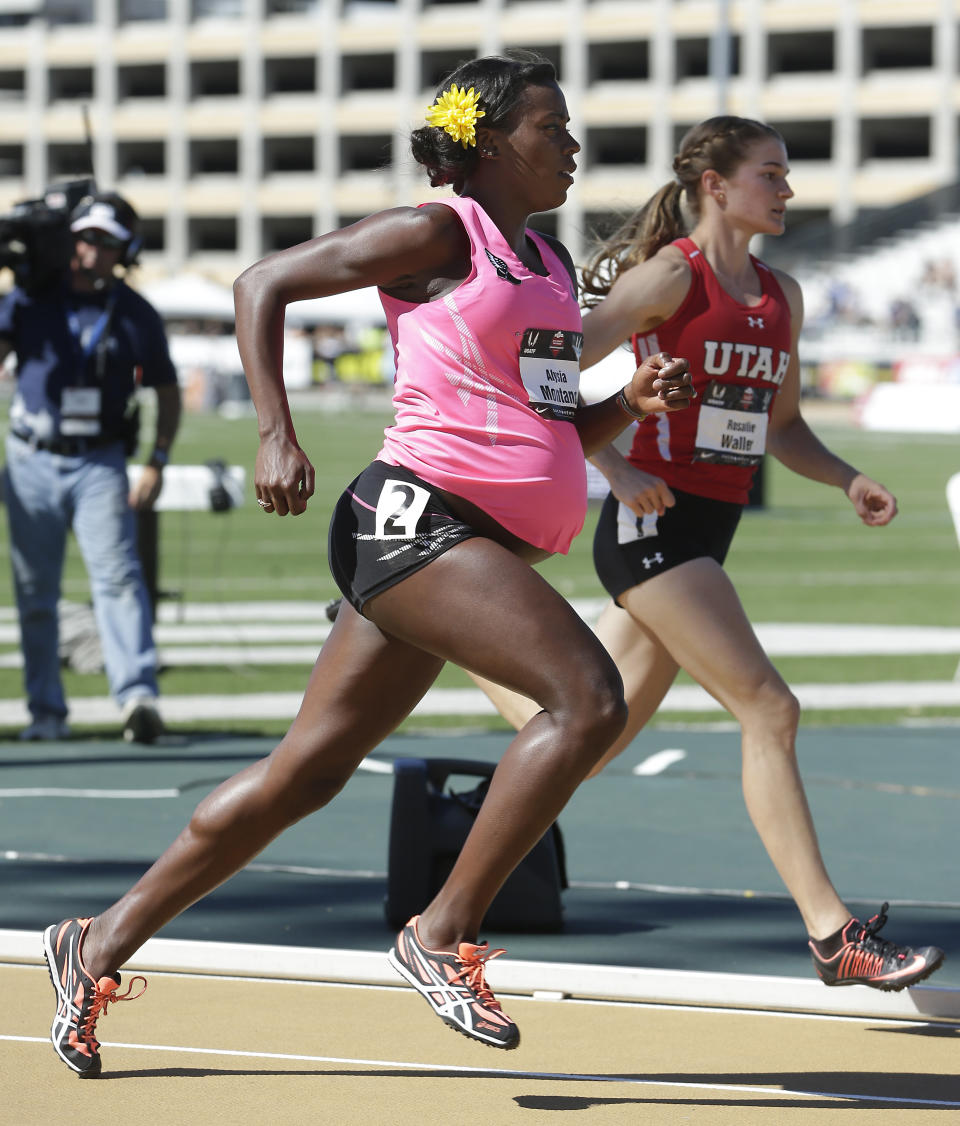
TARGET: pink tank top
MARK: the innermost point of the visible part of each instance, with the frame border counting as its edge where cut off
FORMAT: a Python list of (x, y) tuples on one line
[(487, 387)]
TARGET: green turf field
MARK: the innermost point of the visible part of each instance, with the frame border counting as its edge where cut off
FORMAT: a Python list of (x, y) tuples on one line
[(803, 557)]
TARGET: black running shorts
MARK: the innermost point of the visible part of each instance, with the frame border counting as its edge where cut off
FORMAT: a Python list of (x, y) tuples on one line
[(628, 549), (388, 524)]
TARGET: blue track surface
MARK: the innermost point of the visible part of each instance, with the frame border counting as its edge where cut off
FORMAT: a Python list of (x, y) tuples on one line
[(702, 894)]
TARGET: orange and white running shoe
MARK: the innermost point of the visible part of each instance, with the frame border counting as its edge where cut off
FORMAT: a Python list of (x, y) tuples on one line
[(80, 999), (454, 986), (865, 959)]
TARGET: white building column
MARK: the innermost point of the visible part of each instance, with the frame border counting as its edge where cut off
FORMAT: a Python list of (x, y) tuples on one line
[(719, 65), (944, 140), (177, 161), (36, 96), (249, 243), (104, 143), (406, 174), (660, 147), (753, 60), (846, 140), (327, 148), (570, 217), (492, 42)]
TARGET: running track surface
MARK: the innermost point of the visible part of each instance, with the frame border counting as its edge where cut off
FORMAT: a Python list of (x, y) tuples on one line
[(204, 1050), (698, 895)]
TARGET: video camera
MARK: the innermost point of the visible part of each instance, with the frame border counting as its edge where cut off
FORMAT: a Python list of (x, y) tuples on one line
[(35, 239)]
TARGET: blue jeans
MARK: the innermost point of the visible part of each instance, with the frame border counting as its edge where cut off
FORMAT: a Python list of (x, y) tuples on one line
[(46, 495)]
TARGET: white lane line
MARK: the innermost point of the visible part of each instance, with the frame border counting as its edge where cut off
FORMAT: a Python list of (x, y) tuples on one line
[(658, 763), (63, 792), (268, 869), (587, 885), (367, 766), (493, 1072), (375, 766)]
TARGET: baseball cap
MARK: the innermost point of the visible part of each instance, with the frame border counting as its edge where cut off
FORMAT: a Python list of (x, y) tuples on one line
[(105, 212)]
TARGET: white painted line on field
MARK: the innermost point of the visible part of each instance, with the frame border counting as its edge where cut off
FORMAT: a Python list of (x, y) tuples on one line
[(227, 633), (658, 763), (293, 611), (212, 656), (252, 706), (216, 656), (183, 624), (815, 640), (177, 613), (243, 633)]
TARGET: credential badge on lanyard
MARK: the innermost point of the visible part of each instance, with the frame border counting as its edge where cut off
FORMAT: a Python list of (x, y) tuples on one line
[(80, 405)]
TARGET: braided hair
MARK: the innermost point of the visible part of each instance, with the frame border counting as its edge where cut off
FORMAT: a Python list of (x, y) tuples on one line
[(499, 81), (719, 143)]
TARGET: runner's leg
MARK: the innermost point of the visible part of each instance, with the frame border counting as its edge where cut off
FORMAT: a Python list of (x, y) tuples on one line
[(361, 687), (462, 607), (646, 667), (695, 612), (493, 615)]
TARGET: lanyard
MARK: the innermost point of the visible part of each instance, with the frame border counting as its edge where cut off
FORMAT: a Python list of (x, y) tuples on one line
[(96, 337)]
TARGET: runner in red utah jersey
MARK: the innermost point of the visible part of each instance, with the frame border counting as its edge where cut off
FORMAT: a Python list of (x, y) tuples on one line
[(694, 290)]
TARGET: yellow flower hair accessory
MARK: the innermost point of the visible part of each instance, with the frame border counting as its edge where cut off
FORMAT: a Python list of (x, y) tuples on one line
[(456, 113)]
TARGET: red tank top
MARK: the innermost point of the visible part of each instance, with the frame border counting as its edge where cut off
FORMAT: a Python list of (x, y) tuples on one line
[(738, 359)]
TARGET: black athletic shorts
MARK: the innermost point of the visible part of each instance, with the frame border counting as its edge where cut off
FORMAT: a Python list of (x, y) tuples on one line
[(628, 549), (388, 524)]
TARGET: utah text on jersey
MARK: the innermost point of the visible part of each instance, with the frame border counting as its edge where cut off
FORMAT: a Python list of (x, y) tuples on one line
[(728, 357), (745, 361)]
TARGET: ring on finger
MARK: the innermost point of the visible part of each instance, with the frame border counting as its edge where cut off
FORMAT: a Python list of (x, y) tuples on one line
[(264, 503)]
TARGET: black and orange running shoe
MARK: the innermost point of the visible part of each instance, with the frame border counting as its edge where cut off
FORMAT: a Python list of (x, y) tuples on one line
[(454, 986), (80, 999), (865, 959)]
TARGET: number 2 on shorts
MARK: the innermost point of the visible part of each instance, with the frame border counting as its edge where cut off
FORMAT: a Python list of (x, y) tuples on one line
[(399, 508)]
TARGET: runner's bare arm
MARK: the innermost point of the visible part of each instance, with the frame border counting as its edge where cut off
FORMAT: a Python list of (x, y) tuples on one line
[(413, 253), (661, 383), (640, 299), (792, 442)]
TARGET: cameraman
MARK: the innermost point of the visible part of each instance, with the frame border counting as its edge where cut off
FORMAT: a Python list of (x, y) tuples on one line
[(83, 345)]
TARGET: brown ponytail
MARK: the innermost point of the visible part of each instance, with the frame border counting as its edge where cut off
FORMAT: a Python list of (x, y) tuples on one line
[(656, 224)]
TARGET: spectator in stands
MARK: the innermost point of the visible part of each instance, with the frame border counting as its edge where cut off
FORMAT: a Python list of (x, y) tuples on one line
[(936, 295), (328, 342), (904, 322), (846, 306), (83, 345)]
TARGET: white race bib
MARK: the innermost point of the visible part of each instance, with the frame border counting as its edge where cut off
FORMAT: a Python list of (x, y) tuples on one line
[(550, 370), (732, 428)]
